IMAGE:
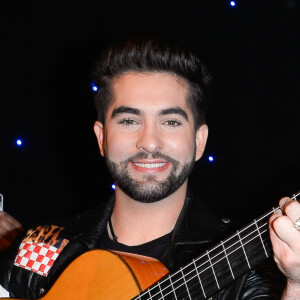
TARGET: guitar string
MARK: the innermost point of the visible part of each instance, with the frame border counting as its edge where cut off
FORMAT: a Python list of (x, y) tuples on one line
[(218, 254), (196, 269), (202, 271), (294, 197)]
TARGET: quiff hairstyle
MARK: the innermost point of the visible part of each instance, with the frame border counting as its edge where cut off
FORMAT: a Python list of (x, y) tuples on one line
[(151, 53)]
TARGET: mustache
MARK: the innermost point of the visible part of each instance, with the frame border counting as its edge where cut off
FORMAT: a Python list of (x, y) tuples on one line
[(154, 155)]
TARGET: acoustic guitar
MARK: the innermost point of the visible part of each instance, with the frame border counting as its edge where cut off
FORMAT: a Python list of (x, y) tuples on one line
[(108, 275)]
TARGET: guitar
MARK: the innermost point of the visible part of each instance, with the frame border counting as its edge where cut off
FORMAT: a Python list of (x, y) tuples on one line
[(102, 274)]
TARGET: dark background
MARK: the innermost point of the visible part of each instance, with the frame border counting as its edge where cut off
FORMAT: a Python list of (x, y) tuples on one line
[(47, 52)]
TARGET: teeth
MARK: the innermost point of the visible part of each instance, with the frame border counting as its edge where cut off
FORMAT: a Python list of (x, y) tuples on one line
[(149, 166)]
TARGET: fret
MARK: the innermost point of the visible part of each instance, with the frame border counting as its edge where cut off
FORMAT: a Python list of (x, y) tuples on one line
[(227, 259), (187, 289), (200, 282), (152, 293), (260, 237), (192, 280), (295, 196), (172, 287), (167, 289), (149, 293), (243, 249), (143, 296), (219, 265), (236, 256), (205, 272), (178, 285), (150, 296), (160, 291), (212, 268), (256, 242)]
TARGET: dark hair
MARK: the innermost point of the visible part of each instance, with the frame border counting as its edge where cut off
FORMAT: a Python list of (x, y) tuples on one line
[(151, 54)]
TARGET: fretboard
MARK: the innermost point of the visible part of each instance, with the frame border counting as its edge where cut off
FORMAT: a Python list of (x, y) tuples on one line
[(218, 266)]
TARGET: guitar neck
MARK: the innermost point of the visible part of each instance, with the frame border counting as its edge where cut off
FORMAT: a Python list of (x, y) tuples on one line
[(218, 266)]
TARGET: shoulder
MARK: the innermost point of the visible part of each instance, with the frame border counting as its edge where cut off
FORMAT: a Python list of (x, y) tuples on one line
[(38, 257)]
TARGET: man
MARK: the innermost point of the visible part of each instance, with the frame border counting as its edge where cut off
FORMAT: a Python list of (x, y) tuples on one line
[(150, 130)]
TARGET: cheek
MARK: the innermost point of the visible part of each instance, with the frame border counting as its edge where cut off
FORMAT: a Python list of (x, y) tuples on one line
[(182, 147), (118, 146)]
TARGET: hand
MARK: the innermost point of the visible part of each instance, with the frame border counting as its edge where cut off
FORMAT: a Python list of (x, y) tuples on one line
[(285, 240), (10, 229)]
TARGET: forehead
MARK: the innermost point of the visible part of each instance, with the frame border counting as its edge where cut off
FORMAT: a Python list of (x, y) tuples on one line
[(149, 91)]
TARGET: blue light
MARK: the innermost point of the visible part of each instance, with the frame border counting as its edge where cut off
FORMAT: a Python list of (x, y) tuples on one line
[(232, 3), (94, 87), (19, 142), (113, 186), (211, 158)]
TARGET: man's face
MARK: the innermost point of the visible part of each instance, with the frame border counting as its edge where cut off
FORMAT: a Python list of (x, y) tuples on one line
[(149, 140)]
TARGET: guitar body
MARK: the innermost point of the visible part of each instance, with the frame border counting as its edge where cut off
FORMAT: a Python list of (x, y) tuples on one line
[(106, 275)]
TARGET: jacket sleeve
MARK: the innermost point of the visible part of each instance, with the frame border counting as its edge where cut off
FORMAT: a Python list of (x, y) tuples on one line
[(263, 282), (7, 263)]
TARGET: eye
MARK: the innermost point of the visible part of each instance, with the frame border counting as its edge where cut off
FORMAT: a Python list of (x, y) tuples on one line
[(172, 123), (127, 122)]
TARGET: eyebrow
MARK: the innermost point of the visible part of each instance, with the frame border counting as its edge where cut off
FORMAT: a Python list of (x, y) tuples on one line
[(130, 110), (125, 109), (174, 110)]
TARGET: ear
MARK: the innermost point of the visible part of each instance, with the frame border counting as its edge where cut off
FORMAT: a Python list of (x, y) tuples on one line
[(99, 132), (201, 138)]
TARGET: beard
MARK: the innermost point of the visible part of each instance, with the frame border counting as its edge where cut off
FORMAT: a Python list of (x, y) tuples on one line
[(149, 190)]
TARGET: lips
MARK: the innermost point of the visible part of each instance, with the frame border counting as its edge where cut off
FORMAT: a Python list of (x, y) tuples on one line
[(150, 167)]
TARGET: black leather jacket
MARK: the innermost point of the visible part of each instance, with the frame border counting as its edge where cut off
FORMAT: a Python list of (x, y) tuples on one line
[(196, 230)]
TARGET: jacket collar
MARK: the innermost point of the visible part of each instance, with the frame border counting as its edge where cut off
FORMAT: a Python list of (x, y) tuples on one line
[(197, 229)]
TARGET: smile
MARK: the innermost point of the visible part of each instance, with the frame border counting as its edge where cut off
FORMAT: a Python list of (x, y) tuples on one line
[(150, 166)]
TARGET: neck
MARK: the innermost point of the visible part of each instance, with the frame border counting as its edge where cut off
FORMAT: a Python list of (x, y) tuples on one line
[(136, 223)]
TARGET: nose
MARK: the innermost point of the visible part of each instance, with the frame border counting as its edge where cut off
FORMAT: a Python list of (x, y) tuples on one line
[(149, 139)]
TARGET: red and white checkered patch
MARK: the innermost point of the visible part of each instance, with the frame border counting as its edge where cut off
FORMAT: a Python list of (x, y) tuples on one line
[(37, 258)]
